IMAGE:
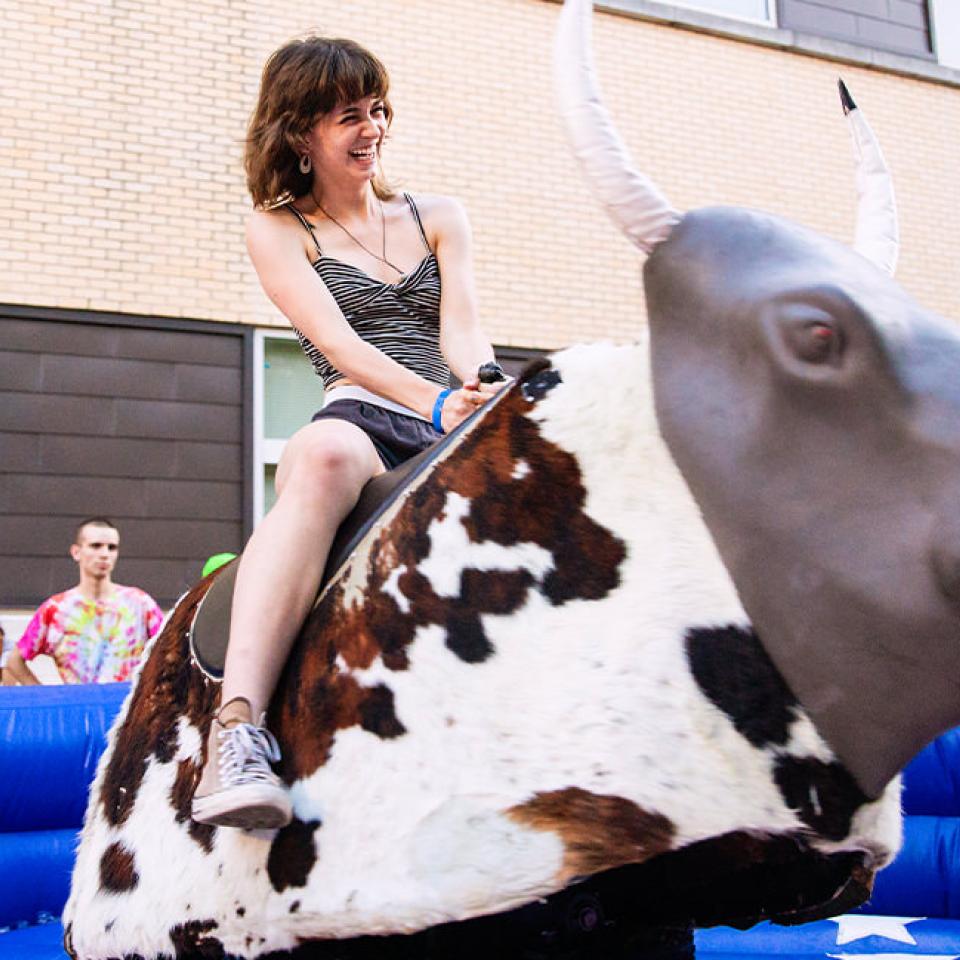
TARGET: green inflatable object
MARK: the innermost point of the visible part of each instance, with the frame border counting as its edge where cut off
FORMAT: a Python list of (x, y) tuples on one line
[(217, 561)]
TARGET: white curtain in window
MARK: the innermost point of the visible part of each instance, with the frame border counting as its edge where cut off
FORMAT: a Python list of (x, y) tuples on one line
[(761, 10), (945, 15)]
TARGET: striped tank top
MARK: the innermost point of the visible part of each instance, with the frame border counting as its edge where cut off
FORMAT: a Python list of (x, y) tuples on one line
[(400, 319)]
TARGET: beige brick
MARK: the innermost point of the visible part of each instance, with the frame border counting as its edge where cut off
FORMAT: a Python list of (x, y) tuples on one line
[(124, 143)]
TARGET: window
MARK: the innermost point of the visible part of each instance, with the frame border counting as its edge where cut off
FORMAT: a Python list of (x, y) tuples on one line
[(759, 11), (286, 394)]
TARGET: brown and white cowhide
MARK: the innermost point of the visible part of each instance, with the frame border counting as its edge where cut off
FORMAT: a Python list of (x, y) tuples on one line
[(534, 669)]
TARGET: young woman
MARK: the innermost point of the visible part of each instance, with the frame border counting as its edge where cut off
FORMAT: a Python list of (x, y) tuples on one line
[(379, 289)]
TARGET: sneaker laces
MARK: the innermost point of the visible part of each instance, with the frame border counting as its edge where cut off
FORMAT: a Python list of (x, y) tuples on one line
[(245, 753)]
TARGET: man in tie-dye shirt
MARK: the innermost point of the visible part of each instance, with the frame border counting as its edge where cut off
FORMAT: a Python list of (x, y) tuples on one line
[(96, 631)]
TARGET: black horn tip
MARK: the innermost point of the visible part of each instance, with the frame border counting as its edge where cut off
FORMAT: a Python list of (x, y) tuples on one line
[(845, 99)]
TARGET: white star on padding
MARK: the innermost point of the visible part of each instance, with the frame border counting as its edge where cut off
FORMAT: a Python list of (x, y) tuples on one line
[(850, 928)]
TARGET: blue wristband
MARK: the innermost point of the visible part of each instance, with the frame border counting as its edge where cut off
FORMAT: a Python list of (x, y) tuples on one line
[(438, 409)]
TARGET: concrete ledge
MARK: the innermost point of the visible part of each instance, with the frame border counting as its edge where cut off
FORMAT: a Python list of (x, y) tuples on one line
[(791, 40)]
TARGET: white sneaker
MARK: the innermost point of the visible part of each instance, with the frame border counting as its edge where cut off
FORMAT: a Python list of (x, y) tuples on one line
[(248, 794)]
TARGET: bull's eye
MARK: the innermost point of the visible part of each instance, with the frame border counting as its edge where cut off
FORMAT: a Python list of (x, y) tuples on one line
[(817, 342)]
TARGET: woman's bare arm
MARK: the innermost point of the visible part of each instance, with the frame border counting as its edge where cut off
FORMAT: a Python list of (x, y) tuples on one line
[(464, 344)]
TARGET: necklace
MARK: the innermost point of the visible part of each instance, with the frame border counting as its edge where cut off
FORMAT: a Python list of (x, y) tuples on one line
[(383, 225)]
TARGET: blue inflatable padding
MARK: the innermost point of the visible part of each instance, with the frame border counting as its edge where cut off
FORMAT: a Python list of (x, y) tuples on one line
[(924, 880), (820, 939), (931, 783), (50, 741), (35, 872), (33, 943)]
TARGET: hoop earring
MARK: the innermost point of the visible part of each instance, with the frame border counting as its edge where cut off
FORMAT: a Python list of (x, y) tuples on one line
[(306, 164)]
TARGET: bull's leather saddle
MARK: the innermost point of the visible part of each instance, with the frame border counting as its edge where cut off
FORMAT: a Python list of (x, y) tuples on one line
[(210, 629)]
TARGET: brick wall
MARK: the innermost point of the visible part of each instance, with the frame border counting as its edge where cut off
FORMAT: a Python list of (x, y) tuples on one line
[(120, 184)]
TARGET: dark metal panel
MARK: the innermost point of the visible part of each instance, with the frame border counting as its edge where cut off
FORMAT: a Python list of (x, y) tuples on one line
[(75, 497), (887, 35), (47, 536), (901, 26), (203, 348), (19, 371), (123, 377), (910, 13), (43, 413), (868, 8), (28, 335), (119, 457), (29, 580), (107, 456), (208, 461), (19, 452), (172, 421), (819, 20), (72, 497), (208, 384), (200, 499), (193, 540), (106, 377)]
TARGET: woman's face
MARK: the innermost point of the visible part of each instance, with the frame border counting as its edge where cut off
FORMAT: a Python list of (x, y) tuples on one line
[(346, 141)]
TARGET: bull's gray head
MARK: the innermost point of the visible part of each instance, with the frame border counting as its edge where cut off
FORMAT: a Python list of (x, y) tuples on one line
[(814, 410)]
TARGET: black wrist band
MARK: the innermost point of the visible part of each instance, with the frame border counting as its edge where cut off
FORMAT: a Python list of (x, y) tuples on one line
[(490, 372)]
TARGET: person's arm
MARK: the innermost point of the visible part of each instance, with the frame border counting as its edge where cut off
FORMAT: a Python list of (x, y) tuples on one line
[(32, 642), (288, 279), (18, 671), (153, 618), (464, 344)]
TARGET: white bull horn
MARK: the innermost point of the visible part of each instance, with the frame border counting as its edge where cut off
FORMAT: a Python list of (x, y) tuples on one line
[(877, 236), (632, 200)]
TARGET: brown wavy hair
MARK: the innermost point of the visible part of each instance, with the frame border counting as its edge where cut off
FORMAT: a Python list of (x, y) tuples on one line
[(301, 81)]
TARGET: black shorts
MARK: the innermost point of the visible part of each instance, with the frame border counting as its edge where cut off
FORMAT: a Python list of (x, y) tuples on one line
[(396, 436)]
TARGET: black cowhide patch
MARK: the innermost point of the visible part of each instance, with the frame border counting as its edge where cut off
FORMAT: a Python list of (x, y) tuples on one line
[(377, 714), (824, 795), (483, 592), (292, 855), (734, 672), (536, 386), (118, 872), (191, 941)]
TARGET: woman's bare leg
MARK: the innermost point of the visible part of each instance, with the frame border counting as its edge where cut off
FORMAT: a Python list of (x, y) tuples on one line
[(319, 479)]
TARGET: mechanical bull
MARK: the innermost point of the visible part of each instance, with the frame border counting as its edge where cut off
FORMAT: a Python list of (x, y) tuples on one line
[(679, 629)]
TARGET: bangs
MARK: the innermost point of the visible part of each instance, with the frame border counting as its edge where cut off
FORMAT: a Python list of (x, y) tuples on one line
[(354, 75), (335, 72)]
